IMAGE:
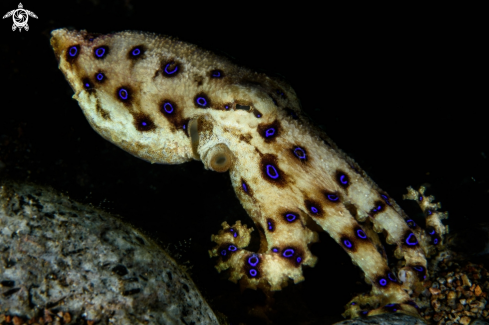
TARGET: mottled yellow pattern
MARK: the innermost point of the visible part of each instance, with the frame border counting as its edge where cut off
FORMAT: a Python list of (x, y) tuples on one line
[(168, 102)]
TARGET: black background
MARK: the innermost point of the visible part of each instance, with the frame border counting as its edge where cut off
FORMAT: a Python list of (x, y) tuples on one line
[(401, 91)]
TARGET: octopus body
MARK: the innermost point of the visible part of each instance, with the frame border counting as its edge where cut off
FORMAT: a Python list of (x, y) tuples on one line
[(168, 102)]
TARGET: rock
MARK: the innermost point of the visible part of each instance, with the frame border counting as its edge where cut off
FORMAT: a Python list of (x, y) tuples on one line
[(59, 257), (384, 319)]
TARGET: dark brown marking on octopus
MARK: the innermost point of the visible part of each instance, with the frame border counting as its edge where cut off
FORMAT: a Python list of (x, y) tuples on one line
[(342, 179), (314, 208), (269, 131), (246, 188), (143, 122), (270, 170)]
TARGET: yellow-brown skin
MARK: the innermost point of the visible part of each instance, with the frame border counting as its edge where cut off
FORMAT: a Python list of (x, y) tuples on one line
[(227, 137)]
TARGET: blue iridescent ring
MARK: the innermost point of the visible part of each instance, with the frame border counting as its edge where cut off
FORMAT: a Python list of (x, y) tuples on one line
[(361, 234), (223, 252), (270, 225), (174, 69), (343, 179), (123, 94), (100, 52), (289, 252), (232, 248), (314, 210), (275, 172), (383, 282), (253, 260), (253, 272), (300, 153), (332, 197), (299, 259), (269, 132), (100, 76), (409, 238), (201, 101), (244, 187), (391, 277), (347, 243), (168, 107), (73, 51), (136, 51), (290, 217)]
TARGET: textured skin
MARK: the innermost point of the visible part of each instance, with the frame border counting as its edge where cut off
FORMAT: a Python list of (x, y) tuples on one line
[(273, 179)]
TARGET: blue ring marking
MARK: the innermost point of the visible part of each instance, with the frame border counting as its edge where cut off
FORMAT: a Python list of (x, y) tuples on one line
[(391, 277), (409, 239), (274, 170), (100, 76), (343, 179), (144, 123), (377, 209), (301, 155), (98, 53), (332, 197), (361, 234), (365, 312), (347, 243), (123, 94), (199, 101), (226, 107), (253, 263), (231, 229), (386, 199), (314, 210), (299, 259), (353, 303), (253, 272), (71, 52), (288, 253), (216, 74), (270, 226), (269, 132), (430, 212), (168, 110), (418, 268), (420, 198), (383, 282), (87, 85), (258, 115), (136, 51), (411, 223), (223, 252), (275, 250), (244, 187), (232, 248), (435, 241), (432, 232), (290, 217), (184, 126), (174, 70)]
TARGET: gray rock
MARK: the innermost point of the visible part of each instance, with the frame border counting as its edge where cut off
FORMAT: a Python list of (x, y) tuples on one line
[(384, 319), (60, 255)]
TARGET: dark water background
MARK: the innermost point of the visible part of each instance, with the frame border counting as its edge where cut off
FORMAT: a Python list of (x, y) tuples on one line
[(402, 96)]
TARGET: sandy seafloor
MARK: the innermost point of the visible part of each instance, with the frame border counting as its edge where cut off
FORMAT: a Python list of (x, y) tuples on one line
[(400, 96)]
